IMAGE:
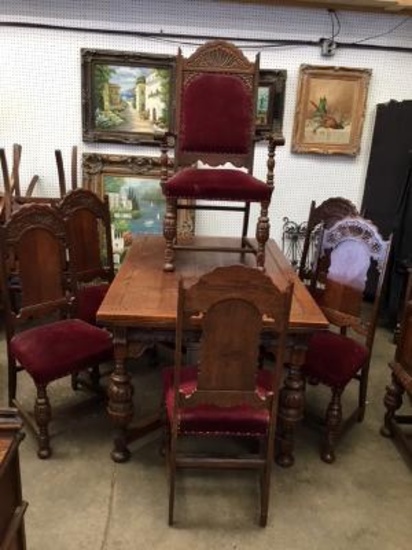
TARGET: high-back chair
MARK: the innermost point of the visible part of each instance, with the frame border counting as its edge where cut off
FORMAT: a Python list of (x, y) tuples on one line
[(321, 217), (225, 394), (352, 254), (87, 219), (215, 125), (38, 293), (401, 380)]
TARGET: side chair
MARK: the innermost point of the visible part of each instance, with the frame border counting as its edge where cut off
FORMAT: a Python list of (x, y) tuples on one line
[(321, 217), (87, 219), (214, 138), (226, 395), (39, 292), (353, 255)]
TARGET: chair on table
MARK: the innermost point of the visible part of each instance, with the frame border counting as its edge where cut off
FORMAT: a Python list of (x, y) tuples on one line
[(87, 219), (38, 295), (352, 262), (215, 125), (321, 217), (401, 380), (225, 394)]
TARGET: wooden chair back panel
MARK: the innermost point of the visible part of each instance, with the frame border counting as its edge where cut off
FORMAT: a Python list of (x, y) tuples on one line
[(34, 277), (229, 354), (86, 255), (231, 303), (39, 251), (88, 225)]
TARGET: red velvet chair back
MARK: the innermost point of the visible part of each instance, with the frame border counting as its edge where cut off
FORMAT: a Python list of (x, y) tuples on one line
[(216, 106)]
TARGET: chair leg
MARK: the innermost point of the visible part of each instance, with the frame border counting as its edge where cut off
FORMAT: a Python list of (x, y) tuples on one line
[(170, 233), (265, 476), (42, 415), (171, 459), (95, 378), (363, 388), (392, 401), (12, 379), (333, 424), (262, 234)]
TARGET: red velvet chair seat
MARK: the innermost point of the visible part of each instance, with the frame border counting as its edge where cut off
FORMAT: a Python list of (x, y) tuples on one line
[(217, 184), (89, 299), (334, 359), (238, 420), (57, 349)]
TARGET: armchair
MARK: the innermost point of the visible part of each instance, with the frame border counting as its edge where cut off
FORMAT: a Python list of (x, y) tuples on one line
[(215, 125)]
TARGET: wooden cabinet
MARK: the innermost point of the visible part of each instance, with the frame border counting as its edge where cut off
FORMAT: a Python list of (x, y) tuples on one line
[(12, 507)]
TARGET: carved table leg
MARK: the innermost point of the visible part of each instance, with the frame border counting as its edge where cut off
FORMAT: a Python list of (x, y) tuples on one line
[(393, 401), (291, 402), (120, 406)]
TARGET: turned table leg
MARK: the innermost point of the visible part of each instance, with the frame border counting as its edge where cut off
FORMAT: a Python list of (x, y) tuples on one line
[(291, 403), (120, 406)]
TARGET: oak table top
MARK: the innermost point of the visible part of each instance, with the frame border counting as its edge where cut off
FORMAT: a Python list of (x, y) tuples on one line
[(143, 294)]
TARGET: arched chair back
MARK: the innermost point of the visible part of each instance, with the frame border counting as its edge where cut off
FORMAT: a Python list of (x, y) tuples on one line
[(321, 217), (87, 219)]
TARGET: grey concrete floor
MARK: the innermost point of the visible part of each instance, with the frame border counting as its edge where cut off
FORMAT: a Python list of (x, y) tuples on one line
[(80, 499)]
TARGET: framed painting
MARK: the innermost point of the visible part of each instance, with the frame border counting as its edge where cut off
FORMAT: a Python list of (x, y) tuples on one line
[(270, 102), (126, 97), (137, 204), (330, 110)]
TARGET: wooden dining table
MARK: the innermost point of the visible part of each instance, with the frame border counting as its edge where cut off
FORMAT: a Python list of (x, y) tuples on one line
[(140, 309)]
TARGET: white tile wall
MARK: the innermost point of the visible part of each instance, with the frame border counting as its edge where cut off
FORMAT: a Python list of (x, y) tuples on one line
[(40, 101)]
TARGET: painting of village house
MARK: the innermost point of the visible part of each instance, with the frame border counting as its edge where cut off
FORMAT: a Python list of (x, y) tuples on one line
[(126, 97)]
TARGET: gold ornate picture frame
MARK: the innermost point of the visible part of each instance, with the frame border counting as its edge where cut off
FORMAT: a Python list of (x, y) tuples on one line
[(330, 110), (137, 204)]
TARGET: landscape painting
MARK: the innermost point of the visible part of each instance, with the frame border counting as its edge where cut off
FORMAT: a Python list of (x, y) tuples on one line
[(126, 97), (136, 201), (330, 110)]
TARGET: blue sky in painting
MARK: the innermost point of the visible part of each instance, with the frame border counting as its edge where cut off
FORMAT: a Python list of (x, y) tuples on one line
[(126, 76)]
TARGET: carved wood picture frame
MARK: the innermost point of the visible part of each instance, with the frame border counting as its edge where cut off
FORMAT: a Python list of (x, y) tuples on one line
[(127, 97), (137, 204), (330, 110)]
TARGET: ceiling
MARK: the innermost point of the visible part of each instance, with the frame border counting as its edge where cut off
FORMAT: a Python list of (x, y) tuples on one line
[(400, 7)]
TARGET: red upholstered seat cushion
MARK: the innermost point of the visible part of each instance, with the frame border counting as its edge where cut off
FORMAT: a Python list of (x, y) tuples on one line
[(217, 184), (54, 350), (334, 359), (89, 299), (204, 419)]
